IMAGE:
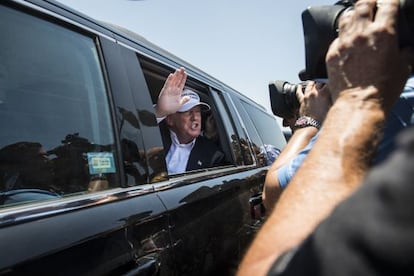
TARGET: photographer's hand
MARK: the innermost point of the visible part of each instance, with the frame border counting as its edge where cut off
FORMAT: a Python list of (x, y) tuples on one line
[(363, 34), (315, 102)]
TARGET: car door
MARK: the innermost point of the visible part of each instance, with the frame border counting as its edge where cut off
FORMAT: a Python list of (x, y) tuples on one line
[(74, 198), (210, 212)]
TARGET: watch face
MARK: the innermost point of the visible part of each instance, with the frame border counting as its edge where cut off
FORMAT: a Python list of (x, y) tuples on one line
[(301, 121)]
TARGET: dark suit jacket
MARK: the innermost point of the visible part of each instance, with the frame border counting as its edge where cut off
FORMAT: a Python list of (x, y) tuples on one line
[(205, 153)]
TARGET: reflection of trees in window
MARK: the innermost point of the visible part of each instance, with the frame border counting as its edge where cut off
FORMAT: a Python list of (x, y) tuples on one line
[(242, 150), (63, 170), (141, 166), (245, 150), (132, 161), (154, 157), (260, 157), (70, 163), (238, 151), (156, 161), (25, 165)]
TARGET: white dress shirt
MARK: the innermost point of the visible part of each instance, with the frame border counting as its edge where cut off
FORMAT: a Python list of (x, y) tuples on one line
[(177, 156)]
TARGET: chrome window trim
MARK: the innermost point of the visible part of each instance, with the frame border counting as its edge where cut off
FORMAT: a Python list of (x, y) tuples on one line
[(136, 50), (155, 59), (203, 175), (38, 210), (62, 18), (90, 30)]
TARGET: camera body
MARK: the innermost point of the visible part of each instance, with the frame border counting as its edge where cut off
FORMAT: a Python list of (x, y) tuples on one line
[(320, 28)]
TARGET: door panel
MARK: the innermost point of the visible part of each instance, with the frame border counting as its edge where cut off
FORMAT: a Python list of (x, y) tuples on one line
[(96, 240), (210, 216)]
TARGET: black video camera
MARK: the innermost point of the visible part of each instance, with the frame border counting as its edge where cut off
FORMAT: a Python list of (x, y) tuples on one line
[(320, 28)]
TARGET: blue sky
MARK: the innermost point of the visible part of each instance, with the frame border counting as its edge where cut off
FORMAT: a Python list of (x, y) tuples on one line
[(244, 43)]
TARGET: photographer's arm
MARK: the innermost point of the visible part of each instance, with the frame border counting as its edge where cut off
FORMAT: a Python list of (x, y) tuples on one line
[(272, 187), (365, 84), (314, 103)]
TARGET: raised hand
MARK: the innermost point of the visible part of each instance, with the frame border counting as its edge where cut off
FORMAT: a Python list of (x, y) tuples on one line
[(169, 99)]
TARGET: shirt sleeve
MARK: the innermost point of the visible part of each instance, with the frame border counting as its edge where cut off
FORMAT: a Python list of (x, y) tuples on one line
[(286, 172)]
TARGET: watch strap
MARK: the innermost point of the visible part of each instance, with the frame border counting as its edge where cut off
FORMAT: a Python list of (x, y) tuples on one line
[(305, 121)]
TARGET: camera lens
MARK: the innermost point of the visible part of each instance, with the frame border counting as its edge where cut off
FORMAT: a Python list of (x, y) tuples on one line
[(283, 100)]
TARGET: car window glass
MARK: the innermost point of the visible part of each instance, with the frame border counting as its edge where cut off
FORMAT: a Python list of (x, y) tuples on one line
[(265, 132), (266, 125), (56, 137), (238, 147)]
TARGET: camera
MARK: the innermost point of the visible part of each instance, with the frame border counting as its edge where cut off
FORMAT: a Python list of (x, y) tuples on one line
[(320, 28), (283, 100)]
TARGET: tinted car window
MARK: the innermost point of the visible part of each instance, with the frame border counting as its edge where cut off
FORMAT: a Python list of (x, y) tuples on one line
[(56, 136), (266, 133)]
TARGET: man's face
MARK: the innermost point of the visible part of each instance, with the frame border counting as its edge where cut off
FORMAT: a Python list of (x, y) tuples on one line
[(187, 125)]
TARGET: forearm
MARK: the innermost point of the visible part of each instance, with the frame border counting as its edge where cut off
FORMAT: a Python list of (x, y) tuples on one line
[(297, 142), (334, 168)]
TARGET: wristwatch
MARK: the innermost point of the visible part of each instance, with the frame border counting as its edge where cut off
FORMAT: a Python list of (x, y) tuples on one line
[(306, 121)]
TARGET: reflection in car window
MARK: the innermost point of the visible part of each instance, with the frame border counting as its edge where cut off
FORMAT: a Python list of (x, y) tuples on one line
[(271, 140), (56, 136)]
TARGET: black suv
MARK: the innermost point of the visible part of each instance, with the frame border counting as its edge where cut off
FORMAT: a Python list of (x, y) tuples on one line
[(84, 188)]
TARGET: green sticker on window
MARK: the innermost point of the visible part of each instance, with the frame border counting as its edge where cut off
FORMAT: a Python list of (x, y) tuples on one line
[(101, 162)]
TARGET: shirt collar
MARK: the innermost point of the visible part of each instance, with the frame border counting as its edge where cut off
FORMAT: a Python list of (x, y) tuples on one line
[(174, 140)]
